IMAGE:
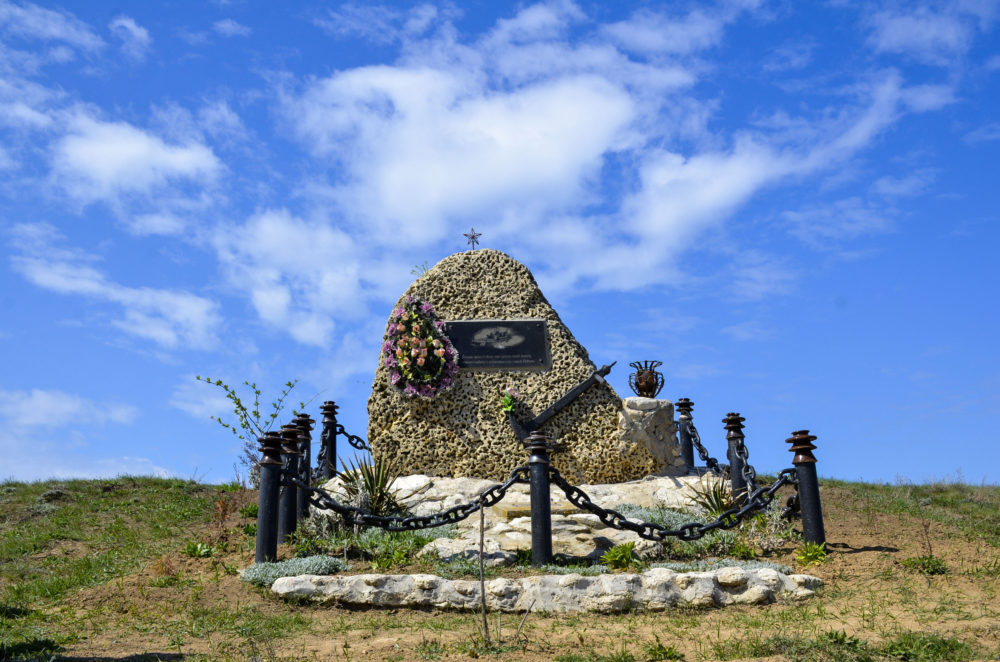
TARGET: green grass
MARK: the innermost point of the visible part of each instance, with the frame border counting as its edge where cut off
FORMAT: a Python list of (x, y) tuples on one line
[(971, 509)]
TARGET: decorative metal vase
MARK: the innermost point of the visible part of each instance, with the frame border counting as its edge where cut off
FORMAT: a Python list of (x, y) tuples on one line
[(647, 381)]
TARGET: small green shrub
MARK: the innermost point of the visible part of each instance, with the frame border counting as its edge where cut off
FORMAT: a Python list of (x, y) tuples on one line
[(713, 496), (250, 529), (621, 557), (926, 565), (657, 651), (927, 647), (264, 574), (249, 511), (741, 550), (369, 486), (811, 553)]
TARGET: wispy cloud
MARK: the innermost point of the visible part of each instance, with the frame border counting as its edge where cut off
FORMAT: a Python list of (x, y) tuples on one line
[(827, 226), (135, 38), (169, 318), (912, 183), (935, 36), (30, 21), (49, 408), (227, 27), (99, 160)]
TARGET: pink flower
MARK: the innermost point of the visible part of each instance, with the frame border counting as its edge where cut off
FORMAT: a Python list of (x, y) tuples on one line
[(416, 329), (401, 327), (394, 377), (439, 352), (399, 353), (414, 352), (420, 361)]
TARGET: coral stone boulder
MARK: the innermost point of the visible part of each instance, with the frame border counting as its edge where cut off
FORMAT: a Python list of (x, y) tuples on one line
[(464, 431)]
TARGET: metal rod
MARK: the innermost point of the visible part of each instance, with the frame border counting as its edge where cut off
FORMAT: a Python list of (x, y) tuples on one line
[(328, 441), (541, 508), (267, 498), (304, 423), (809, 501), (684, 406), (288, 502), (734, 435)]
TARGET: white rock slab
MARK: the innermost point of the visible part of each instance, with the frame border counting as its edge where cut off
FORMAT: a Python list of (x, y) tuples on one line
[(656, 589)]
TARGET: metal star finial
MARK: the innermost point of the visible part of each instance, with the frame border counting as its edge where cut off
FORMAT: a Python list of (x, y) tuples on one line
[(473, 237)]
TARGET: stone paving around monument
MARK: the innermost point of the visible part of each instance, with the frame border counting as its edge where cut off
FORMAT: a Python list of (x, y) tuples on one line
[(577, 536)]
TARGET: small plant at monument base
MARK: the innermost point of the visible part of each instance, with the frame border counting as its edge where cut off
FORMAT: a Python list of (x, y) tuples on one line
[(712, 495), (621, 557), (419, 356), (369, 486), (811, 553)]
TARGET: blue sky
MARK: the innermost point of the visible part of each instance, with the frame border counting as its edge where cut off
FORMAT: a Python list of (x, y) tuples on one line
[(792, 205)]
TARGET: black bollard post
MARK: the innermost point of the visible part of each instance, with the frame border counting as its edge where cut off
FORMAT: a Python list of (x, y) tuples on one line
[(304, 423), (684, 407), (734, 435), (267, 498), (541, 507), (288, 502), (328, 441), (805, 470)]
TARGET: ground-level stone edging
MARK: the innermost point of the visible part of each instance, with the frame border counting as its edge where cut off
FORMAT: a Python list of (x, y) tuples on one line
[(656, 589)]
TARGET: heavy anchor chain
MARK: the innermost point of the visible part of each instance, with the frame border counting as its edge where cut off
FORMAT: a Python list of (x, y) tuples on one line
[(759, 499), (353, 439), (711, 462), (352, 515)]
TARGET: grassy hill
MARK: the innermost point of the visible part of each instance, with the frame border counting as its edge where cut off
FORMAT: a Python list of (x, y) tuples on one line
[(144, 568)]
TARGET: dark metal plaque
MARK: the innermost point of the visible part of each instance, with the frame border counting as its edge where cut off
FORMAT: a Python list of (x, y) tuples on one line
[(500, 344)]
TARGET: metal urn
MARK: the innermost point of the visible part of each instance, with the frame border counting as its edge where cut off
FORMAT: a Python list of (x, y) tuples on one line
[(646, 381)]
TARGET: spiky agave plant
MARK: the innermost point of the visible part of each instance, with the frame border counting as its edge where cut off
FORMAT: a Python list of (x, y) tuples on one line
[(368, 486)]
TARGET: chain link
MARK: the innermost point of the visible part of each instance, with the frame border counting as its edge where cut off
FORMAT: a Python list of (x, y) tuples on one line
[(320, 498), (353, 439), (758, 499), (695, 438)]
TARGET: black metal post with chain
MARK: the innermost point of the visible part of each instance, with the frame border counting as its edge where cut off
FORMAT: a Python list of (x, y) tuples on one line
[(327, 457), (288, 502), (805, 469), (537, 446), (734, 437), (684, 407), (267, 498), (304, 423)]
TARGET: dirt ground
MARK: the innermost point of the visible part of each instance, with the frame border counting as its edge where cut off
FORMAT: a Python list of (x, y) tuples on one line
[(867, 594)]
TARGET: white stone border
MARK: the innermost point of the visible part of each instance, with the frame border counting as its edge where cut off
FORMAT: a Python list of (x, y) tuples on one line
[(653, 590)]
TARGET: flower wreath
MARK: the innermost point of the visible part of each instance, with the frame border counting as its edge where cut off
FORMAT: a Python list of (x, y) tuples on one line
[(420, 357)]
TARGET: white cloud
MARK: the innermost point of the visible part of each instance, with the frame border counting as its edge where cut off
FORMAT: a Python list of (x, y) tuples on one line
[(913, 183), (300, 275), (985, 133), (227, 27), (170, 318), (99, 160), (380, 24), (31, 21), (200, 400), (135, 38), (755, 276), (156, 224), (749, 331), (823, 226), (653, 32), (56, 409), (931, 36)]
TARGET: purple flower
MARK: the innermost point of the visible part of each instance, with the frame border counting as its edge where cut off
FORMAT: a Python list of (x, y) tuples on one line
[(387, 346), (398, 312), (390, 362), (445, 383), (440, 325), (427, 309), (394, 376), (409, 390), (411, 299), (427, 390)]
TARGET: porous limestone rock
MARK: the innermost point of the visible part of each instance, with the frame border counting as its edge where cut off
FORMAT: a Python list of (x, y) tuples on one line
[(654, 590), (650, 422), (463, 431)]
